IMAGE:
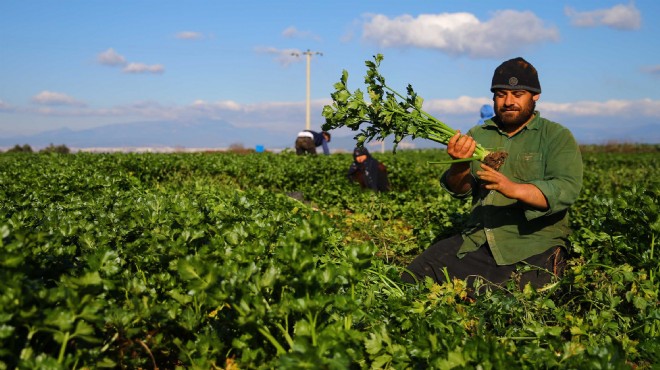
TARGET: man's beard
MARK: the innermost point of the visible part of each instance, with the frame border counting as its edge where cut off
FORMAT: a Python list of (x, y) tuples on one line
[(516, 118)]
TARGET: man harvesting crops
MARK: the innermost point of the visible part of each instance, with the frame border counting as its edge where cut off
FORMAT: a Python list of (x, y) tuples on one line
[(308, 140), (519, 212)]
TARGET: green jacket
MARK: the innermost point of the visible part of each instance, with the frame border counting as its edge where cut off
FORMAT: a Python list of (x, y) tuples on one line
[(544, 154)]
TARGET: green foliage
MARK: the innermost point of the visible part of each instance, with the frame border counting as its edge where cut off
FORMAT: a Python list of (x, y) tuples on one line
[(59, 149), (20, 149), (202, 261)]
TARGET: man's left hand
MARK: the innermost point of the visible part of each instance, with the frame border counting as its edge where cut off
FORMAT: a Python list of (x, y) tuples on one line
[(526, 193), (495, 180)]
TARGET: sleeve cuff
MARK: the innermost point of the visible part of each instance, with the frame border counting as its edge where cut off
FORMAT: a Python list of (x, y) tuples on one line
[(443, 183), (546, 189)]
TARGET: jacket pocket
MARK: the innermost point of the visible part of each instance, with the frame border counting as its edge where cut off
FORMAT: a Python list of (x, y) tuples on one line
[(528, 166)]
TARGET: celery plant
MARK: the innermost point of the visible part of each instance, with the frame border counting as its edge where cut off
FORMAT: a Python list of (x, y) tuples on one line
[(386, 113)]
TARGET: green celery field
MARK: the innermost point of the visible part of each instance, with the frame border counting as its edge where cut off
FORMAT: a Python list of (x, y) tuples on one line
[(262, 261)]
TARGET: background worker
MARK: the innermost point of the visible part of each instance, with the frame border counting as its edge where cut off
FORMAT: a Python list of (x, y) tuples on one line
[(486, 112), (367, 171), (308, 140)]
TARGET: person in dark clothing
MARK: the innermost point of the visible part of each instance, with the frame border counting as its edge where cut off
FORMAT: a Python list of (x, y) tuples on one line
[(367, 171), (308, 140), (518, 228)]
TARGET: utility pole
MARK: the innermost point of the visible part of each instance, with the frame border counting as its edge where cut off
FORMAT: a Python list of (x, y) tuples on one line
[(309, 54)]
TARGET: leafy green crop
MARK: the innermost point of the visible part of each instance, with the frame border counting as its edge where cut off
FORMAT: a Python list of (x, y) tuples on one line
[(202, 261)]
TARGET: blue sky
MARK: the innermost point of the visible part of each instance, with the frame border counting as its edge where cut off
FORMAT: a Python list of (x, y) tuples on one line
[(82, 64)]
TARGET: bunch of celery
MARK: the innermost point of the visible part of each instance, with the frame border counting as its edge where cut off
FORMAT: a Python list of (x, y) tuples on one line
[(386, 113)]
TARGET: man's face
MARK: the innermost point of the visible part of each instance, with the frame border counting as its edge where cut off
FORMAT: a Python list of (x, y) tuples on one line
[(514, 107)]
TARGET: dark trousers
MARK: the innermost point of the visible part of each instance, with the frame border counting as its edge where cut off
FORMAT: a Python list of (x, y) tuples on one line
[(305, 145), (481, 263)]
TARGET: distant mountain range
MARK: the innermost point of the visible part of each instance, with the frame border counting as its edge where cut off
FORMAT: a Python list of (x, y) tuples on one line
[(209, 134), (218, 134), (201, 134)]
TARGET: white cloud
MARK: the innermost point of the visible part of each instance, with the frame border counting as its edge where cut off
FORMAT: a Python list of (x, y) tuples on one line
[(55, 98), (460, 105), (290, 32), (203, 105), (276, 116), (293, 32), (284, 57), (5, 107), (621, 17), (461, 33), (189, 35), (111, 58), (143, 68), (654, 70), (609, 108)]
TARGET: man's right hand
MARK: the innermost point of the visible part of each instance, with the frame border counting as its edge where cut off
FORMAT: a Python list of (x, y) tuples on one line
[(461, 146), (458, 176)]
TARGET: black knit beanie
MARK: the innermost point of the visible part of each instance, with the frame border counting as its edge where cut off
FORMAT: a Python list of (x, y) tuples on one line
[(358, 151), (516, 74)]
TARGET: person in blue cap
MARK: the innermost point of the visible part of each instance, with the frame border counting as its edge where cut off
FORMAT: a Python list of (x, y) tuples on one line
[(368, 171), (486, 112)]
